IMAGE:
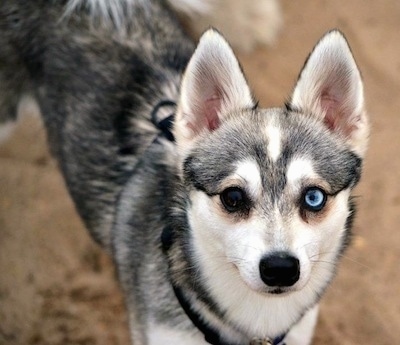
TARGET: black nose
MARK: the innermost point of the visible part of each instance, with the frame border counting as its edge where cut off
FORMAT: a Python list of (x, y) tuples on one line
[(279, 269)]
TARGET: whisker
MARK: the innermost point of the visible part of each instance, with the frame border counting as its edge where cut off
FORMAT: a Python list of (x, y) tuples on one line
[(346, 257)]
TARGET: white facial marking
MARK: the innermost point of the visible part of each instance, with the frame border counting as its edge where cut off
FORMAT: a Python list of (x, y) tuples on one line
[(299, 168), (250, 173), (274, 142)]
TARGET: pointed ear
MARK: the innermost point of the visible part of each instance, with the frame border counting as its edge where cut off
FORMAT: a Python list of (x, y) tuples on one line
[(212, 87), (330, 87)]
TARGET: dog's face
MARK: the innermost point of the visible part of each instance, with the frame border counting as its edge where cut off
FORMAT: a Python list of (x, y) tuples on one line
[(270, 189), (270, 193)]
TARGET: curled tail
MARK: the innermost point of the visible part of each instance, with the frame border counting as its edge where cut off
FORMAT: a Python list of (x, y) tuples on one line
[(255, 22), (118, 12)]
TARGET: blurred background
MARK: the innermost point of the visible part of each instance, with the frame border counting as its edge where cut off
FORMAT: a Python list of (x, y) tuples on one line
[(58, 287)]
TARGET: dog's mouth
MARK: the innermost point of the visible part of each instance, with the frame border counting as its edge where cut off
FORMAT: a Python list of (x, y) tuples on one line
[(278, 291)]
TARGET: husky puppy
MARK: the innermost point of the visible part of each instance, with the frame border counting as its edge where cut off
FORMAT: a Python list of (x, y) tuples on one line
[(225, 220)]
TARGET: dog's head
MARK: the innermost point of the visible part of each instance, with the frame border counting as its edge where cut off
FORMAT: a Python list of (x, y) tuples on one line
[(269, 189)]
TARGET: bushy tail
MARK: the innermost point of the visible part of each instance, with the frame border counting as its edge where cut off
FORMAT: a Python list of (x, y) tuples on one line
[(245, 23), (118, 11)]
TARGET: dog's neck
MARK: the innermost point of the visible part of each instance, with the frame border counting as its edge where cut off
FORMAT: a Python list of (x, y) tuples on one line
[(211, 335)]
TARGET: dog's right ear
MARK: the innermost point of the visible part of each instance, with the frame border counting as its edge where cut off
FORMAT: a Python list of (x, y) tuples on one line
[(212, 87)]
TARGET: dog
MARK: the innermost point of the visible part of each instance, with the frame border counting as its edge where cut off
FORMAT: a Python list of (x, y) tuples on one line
[(225, 221)]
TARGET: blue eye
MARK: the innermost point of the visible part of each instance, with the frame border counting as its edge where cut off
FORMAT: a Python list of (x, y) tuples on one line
[(314, 199)]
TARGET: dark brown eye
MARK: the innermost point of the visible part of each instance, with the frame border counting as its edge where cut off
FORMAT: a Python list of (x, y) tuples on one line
[(233, 199)]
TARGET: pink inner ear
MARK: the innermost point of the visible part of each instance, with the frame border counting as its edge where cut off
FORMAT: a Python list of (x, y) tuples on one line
[(337, 116), (212, 107), (330, 106), (205, 116)]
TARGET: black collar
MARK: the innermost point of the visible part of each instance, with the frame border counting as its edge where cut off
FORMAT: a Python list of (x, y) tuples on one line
[(211, 335)]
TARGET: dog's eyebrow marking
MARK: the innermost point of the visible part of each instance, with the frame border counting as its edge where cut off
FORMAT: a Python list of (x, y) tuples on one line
[(299, 168), (249, 171), (274, 142)]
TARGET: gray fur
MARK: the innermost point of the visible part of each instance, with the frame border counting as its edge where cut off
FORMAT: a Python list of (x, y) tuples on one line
[(96, 90)]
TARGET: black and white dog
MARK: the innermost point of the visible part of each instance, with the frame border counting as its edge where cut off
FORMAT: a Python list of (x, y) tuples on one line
[(225, 220)]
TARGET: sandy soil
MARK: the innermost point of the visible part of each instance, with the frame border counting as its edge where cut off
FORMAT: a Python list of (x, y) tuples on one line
[(58, 287)]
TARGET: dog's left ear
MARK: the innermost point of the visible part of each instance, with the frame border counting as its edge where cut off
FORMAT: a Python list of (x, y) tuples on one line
[(212, 87), (330, 87)]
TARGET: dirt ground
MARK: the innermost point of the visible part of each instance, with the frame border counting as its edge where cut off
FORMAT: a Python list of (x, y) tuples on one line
[(58, 287)]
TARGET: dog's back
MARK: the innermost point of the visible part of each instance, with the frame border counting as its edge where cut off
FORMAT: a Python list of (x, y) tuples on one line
[(96, 85)]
